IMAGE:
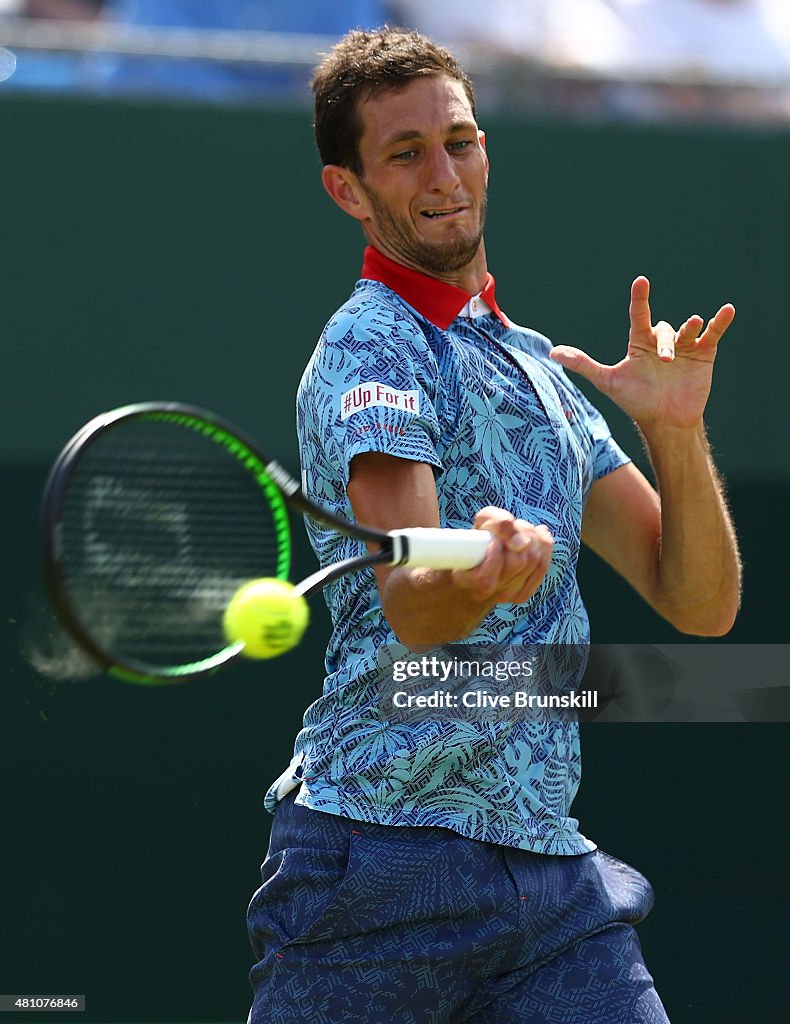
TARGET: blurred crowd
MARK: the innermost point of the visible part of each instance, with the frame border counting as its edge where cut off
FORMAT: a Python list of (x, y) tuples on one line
[(58, 10), (634, 59), (646, 59)]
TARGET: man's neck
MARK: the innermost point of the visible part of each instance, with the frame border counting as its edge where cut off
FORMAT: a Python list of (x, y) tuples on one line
[(471, 278)]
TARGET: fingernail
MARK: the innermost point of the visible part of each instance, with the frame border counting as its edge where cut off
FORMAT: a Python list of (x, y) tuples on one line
[(666, 354)]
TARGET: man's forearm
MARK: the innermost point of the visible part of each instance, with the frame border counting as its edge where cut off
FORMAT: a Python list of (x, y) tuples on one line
[(698, 574), (425, 606)]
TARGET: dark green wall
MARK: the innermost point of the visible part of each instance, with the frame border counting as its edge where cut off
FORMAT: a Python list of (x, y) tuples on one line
[(147, 252), (190, 253)]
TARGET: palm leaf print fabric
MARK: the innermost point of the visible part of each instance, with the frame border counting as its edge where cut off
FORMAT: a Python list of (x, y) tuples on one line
[(501, 425)]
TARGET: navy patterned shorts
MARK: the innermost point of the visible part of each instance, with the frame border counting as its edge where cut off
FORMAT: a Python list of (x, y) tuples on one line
[(378, 924)]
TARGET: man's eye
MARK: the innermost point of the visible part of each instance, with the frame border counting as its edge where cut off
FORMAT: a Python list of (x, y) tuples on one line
[(460, 144), (406, 154)]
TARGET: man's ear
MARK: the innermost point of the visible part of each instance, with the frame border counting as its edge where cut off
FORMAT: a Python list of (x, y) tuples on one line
[(481, 138), (344, 188)]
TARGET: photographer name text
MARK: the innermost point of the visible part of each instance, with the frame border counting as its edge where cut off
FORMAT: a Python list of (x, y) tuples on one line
[(484, 699)]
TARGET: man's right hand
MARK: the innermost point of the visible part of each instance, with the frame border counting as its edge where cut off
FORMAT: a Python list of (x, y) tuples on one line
[(516, 561), (427, 607)]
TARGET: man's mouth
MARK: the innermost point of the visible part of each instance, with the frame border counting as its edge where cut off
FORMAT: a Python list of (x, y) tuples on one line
[(438, 214)]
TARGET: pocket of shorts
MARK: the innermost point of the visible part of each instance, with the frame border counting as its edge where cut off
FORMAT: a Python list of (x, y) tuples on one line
[(388, 882), (385, 881), (299, 886)]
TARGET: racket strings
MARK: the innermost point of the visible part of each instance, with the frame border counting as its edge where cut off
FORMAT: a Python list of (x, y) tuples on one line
[(160, 527)]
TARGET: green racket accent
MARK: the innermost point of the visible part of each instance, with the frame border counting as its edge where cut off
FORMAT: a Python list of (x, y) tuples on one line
[(175, 673), (250, 461), (97, 484)]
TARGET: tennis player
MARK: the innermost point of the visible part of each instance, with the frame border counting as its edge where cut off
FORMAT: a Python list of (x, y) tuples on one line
[(429, 871)]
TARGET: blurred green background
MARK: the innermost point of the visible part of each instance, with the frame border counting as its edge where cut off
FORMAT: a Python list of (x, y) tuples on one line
[(189, 253)]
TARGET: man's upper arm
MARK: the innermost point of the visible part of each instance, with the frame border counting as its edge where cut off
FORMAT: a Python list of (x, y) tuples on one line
[(392, 493), (622, 524)]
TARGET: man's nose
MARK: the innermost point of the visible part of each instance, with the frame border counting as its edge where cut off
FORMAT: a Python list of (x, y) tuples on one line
[(442, 174)]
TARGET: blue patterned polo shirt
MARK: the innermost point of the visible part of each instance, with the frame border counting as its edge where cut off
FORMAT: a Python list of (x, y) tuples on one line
[(397, 370)]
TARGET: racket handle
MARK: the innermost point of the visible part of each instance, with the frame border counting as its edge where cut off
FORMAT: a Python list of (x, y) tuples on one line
[(435, 548)]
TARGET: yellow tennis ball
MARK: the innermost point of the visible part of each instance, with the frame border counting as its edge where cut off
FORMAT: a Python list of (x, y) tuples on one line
[(268, 616)]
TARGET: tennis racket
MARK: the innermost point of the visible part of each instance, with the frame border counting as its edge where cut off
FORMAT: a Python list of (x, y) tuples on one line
[(155, 514)]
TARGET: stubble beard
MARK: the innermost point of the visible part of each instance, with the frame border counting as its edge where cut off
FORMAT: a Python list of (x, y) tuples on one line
[(435, 258)]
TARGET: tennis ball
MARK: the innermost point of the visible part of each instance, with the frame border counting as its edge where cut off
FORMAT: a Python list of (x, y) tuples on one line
[(268, 616)]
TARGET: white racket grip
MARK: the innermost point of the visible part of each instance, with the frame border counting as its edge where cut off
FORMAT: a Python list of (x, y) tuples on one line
[(435, 548)]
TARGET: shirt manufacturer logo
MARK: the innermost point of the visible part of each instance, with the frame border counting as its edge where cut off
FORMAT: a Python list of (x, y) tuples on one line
[(375, 394)]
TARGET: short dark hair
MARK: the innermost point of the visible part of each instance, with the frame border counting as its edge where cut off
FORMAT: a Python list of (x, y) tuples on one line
[(364, 64)]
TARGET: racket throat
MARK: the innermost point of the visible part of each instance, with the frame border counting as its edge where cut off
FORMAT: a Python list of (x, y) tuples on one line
[(330, 573)]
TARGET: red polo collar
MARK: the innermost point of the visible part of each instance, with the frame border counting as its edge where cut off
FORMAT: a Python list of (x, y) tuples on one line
[(436, 300)]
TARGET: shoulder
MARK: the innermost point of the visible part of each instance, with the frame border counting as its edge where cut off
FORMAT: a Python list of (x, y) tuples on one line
[(529, 347), (374, 314), (527, 340), (376, 336)]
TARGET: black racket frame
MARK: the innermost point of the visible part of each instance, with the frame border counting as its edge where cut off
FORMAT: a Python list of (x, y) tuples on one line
[(222, 431)]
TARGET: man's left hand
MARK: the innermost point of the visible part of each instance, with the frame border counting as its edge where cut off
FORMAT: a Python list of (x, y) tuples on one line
[(665, 378)]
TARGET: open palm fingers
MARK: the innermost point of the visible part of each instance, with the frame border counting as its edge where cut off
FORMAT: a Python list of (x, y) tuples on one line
[(717, 325), (688, 339)]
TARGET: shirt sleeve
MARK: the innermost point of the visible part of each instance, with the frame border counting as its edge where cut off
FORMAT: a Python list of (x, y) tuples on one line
[(607, 455), (372, 385)]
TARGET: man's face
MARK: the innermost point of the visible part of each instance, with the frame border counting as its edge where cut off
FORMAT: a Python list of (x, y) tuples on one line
[(424, 174)]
